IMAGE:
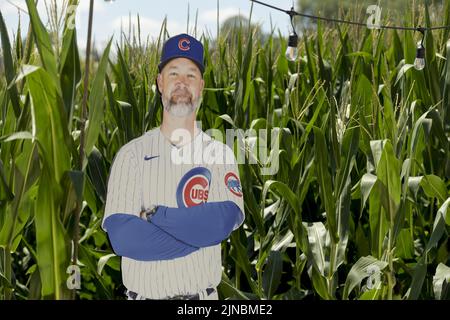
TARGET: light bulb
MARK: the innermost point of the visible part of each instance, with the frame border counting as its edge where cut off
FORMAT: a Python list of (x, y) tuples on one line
[(419, 62), (292, 51)]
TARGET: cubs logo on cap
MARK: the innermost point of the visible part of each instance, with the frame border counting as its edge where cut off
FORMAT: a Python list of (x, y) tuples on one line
[(233, 184), (193, 188), (182, 46)]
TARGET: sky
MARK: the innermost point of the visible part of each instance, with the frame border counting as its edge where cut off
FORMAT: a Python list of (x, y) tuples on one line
[(109, 16)]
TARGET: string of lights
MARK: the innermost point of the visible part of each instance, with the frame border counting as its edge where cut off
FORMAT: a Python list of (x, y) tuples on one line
[(292, 51)]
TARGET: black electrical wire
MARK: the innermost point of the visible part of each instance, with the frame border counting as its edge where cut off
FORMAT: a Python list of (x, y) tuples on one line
[(292, 13)]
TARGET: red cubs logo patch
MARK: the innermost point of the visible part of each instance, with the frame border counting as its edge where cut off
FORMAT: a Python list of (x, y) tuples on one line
[(195, 191), (233, 184), (183, 44), (193, 188)]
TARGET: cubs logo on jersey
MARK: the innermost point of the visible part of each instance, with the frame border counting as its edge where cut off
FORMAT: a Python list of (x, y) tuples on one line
[(233, 184), (193, 188)]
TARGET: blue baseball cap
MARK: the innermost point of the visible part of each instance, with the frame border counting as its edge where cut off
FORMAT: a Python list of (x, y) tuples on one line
[(182, 46)]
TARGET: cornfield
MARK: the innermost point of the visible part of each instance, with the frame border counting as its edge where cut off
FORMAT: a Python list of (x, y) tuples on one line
[(357, 209)]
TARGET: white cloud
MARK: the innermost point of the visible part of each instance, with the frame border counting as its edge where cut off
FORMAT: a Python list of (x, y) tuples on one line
[(149, 27), (224, 14)]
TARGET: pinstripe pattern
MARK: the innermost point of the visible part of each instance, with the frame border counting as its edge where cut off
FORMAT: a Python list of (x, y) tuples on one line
[(134, 183)]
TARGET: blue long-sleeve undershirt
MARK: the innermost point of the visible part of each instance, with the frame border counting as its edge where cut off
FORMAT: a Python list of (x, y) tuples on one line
[(135, 238), (172, 232), (200, 226)]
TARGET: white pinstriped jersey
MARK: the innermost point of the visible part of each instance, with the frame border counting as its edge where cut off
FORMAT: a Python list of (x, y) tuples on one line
[(144, 174)]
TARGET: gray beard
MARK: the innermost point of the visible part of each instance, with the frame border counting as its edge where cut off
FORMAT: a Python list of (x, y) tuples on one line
[(180, 110)]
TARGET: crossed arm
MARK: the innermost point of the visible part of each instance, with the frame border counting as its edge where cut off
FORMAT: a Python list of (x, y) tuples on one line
[(172, 232)]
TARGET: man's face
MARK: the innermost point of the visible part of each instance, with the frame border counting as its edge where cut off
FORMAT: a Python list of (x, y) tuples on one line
[(181, 85)]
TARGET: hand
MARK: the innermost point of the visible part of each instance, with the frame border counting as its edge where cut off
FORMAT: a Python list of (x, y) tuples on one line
[(148, 213)]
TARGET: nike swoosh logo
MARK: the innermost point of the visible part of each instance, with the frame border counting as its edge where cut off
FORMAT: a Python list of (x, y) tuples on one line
[(150, 157)]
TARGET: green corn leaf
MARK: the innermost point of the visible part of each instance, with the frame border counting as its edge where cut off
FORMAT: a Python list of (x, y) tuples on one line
[(363, 268), (405, 245), (77, 177), (272, 273), (226, 118), (96, 102), (26, 172), (367, 56), (367, 182), (126, 111), (128, 91), (432, 185), (89, 260), (52, 245), (98, 173), (49, 121), (446, 93), (442, 218), (388, 174), (320, 284), (24, 71), (377, 221), (70, 72), (319, 248), (18, 136), (431, 68), (402, 73), (72, 183), (441, 281), (416, 143), (227, 290), (377, 147), (89, 195), (5, 190), (349, 148), (363, 93), (284, 191), (44, 45), (420, 271), (103, 261), (373, 294), (242, 260), (9, 67), (324, 178), (362, 242)]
